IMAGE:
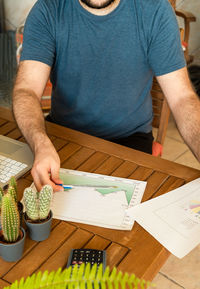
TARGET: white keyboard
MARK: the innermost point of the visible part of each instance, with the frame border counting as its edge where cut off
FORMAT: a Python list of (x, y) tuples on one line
[(9, 167)]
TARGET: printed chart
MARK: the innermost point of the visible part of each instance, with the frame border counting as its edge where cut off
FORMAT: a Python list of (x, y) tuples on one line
[(97, 199), (193, 209), (173, 218)]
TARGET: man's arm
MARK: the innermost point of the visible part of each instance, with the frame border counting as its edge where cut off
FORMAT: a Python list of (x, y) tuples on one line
[(31, 80), (185, 106)]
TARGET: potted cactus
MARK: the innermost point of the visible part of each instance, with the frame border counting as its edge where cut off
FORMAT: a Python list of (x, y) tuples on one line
[(12, 236), (38, 216), (12, 190)]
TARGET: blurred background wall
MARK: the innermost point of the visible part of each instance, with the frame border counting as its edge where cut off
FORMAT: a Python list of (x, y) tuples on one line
[(192, 6), (16, 12)]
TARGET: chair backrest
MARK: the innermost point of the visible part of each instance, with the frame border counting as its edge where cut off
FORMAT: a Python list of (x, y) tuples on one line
[(160, 109), (161, 112), (185, 31)]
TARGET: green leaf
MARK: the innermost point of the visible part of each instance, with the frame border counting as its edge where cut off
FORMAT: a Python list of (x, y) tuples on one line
[(100, 272), (93, 272), (44, 279), (106, 273), (83, 277)]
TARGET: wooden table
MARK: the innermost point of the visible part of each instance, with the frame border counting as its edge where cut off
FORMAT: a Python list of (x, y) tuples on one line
[(133, 251)]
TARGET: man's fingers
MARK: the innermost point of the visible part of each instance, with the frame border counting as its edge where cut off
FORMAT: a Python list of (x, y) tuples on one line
[(36, 180), (41, 178), (45, 178), (46, 169), (56, 178)]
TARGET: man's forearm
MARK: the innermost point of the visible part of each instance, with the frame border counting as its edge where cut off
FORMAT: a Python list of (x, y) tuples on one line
[(29, 117), (187, 116)]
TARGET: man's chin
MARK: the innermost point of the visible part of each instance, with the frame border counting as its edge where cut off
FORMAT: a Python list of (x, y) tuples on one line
[(92, 4)]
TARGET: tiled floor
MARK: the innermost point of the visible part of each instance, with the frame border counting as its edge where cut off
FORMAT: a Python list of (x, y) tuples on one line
[(179, 273)]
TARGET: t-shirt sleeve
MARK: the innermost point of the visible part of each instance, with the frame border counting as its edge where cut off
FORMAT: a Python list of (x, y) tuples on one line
[(39, 34), (165, 53)]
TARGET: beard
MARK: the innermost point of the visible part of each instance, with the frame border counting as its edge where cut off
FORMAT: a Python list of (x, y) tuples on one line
[(103, 4)]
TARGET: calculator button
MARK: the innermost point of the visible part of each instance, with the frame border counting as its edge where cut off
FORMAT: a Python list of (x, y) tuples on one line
[(74, 262)]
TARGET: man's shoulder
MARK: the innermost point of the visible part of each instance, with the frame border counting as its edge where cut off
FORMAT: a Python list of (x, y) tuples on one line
[(150, 10), (152, 6), (51, 4)]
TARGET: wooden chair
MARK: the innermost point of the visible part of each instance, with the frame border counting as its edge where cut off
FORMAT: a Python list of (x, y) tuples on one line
[(187, 17), (161, 117), (160, 107)]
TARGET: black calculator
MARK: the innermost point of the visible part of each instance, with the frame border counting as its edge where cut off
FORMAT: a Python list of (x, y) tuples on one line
[(92, 256)]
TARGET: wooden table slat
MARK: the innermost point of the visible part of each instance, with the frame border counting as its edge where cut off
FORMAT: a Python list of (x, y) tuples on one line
[(2, 121), (93, 162), (6, 114), (59, 143), (7, 128), (171, 183), (153, 184), (78, 158), (107, 168), (22, 139), (125, 170), (75, 241), (115, 253), (141, 173), (67, 151), (40, 253), (15, 134), (97, 242)]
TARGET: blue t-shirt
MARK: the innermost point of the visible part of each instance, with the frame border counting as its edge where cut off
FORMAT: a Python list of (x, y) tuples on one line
[(102, 66)]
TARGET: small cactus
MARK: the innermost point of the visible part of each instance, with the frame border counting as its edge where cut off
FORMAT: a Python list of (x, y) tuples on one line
[(13, 183), (10, 221), (45, 197), (37, 205), (11, 191), (1, 196), (31, 204)]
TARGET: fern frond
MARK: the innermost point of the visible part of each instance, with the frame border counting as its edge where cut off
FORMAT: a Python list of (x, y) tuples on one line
[(84, 277)]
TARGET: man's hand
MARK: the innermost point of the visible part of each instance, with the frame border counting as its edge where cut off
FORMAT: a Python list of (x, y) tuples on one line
[(46, 167)]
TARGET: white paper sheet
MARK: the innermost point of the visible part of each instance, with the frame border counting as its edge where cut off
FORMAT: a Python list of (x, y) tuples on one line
[(173, 218), (97, 199)]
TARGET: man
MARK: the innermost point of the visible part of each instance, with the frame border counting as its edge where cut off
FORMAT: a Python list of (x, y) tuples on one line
[(101, 56)]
